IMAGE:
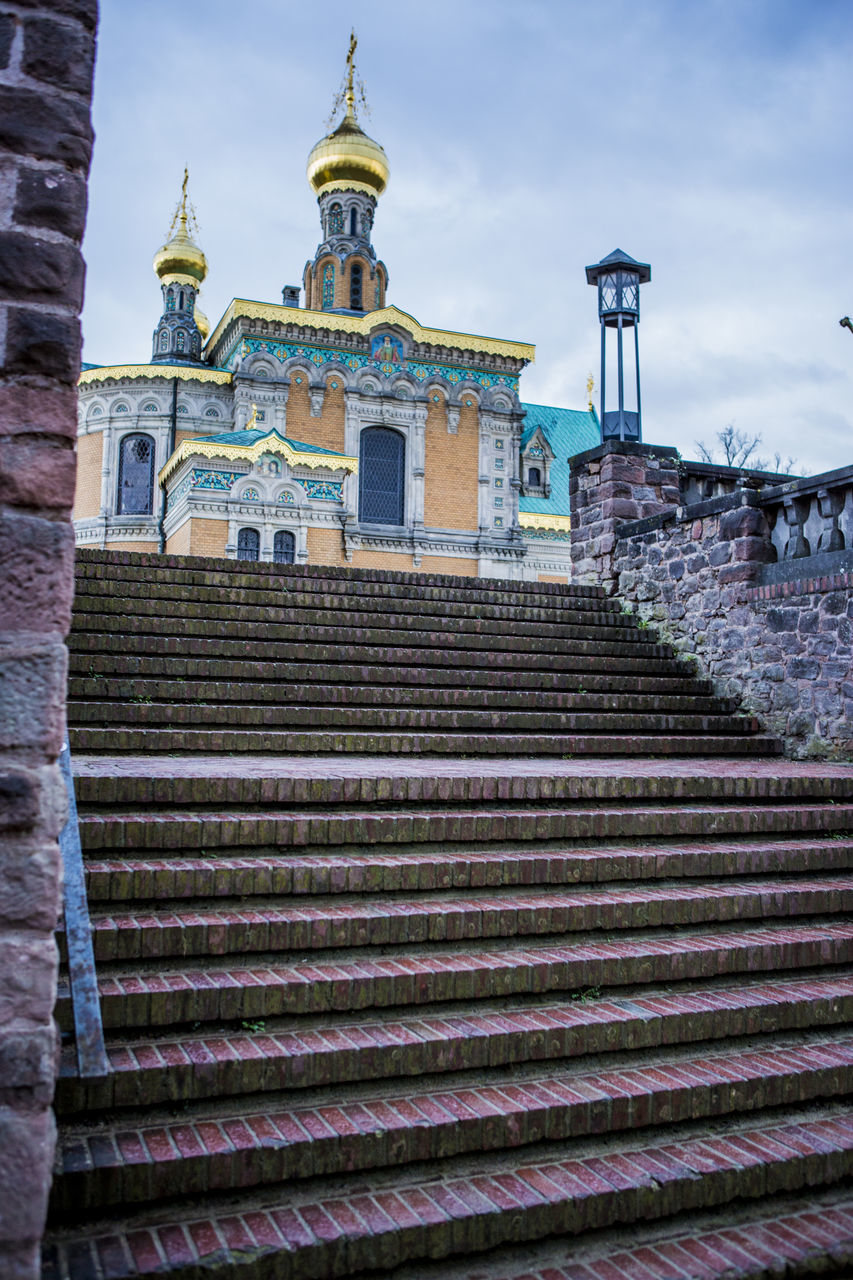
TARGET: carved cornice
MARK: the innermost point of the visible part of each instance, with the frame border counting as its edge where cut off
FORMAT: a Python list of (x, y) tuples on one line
[(364, 324), (250, 453), (538, 520), (115, 372)]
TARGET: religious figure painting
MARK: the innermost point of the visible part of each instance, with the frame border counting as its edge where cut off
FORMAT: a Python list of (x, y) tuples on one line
[(386, 349)]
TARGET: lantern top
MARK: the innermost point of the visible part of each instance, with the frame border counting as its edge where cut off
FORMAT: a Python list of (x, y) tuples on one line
[(618, 258)]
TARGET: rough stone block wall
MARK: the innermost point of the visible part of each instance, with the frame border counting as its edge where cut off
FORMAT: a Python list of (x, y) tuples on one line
[(46, 60), (784, 650), (610, 484)]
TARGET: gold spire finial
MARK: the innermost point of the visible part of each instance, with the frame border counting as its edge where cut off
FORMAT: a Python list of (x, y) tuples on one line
[(351, 90), (590, 387), (252, 422), (184, 214)]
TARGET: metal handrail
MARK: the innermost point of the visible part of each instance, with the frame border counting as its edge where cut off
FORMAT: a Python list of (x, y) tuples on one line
[(92, 1058)]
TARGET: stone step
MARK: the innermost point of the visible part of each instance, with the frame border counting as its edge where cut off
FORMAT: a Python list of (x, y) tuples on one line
[(264, 1057), (123, 566), (580, 656), (214, 991), (157, 1158), (142, 690), (157, 931), (333, 742), (296, 714), (812, 1235), (345, 611), (209, 590), (438, 867), (101, 669), (608, 641), (312, 1234), (276, 828)]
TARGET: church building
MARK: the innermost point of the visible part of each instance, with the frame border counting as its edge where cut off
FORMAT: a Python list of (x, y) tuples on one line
[(332, 428)]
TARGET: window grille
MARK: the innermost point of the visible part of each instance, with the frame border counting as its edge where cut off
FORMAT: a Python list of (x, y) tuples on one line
[(355, 287), (284, 547), (248, 544), (136, 476), (381, 476)]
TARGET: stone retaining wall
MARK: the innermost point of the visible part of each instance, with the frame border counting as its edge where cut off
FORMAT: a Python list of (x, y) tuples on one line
[(46, 59), (775, 633)]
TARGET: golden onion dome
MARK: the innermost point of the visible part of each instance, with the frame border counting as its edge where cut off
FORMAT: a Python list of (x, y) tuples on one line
[(201, 322), (347, 159), (179, 260)]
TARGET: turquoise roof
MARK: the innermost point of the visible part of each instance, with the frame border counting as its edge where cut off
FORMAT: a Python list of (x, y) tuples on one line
[(568, 431), (247, 438)]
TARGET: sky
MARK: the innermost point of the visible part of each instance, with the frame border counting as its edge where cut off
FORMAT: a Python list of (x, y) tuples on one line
[(526, 139)]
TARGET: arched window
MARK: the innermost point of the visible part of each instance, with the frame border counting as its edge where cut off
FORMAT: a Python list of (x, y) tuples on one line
[(353, 222), (170, 300), (336, 220), (355, 287), (180, 340), (534, 478), (164, 340), (136, 476), (181, 300), (328, 286), (381, 476), (248, 544), (283, 548)]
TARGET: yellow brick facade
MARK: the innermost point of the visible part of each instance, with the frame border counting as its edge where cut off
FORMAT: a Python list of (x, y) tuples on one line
[(198, 537), (325, 546), (553, 577), (381, 560), (449, 564), (451, 468), (87, 495), (327, 431), (127, 544)]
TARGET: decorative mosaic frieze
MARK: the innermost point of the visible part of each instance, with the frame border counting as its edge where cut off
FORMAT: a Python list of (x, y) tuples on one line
[(222, 480), (549, 535), (356, 360), (325, 490)]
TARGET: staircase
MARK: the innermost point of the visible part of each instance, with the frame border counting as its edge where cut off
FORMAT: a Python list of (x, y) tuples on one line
[(445, 929)]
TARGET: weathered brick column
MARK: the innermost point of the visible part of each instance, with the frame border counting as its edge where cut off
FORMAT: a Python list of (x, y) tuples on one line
[(610, 484), (46, 59)]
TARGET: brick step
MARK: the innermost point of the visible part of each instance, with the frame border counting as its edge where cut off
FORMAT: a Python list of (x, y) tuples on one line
[(213, 991), (114, 664), (295, 713), (314, 1233), (156, 931), (91, 592), (139, 689), (578, 640), (173, 830), (432, 868), (124, 566), (580, 656), (345, 611), (153, 1159), (238, 741), (271, 1057), (812, 1235)]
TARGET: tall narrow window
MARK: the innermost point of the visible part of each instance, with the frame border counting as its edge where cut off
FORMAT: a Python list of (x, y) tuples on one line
[(353, 222), (248, 544), (284, 546), (355, 287), (136, 476), (336, 220), (328, 286), (381, 474)]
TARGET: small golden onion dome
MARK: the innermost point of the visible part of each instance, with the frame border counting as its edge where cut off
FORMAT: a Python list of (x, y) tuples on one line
[(180, 258), (202, 323), (347, 160)]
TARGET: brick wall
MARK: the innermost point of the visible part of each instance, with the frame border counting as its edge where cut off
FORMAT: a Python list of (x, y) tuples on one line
[(46, 58), (178, 542), (449, 564), (326, 431), (87, 497), (207, 537), (325, 546), (451, 480)]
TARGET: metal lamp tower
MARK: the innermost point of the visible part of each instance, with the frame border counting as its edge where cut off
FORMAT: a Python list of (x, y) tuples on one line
[(619, 277)]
